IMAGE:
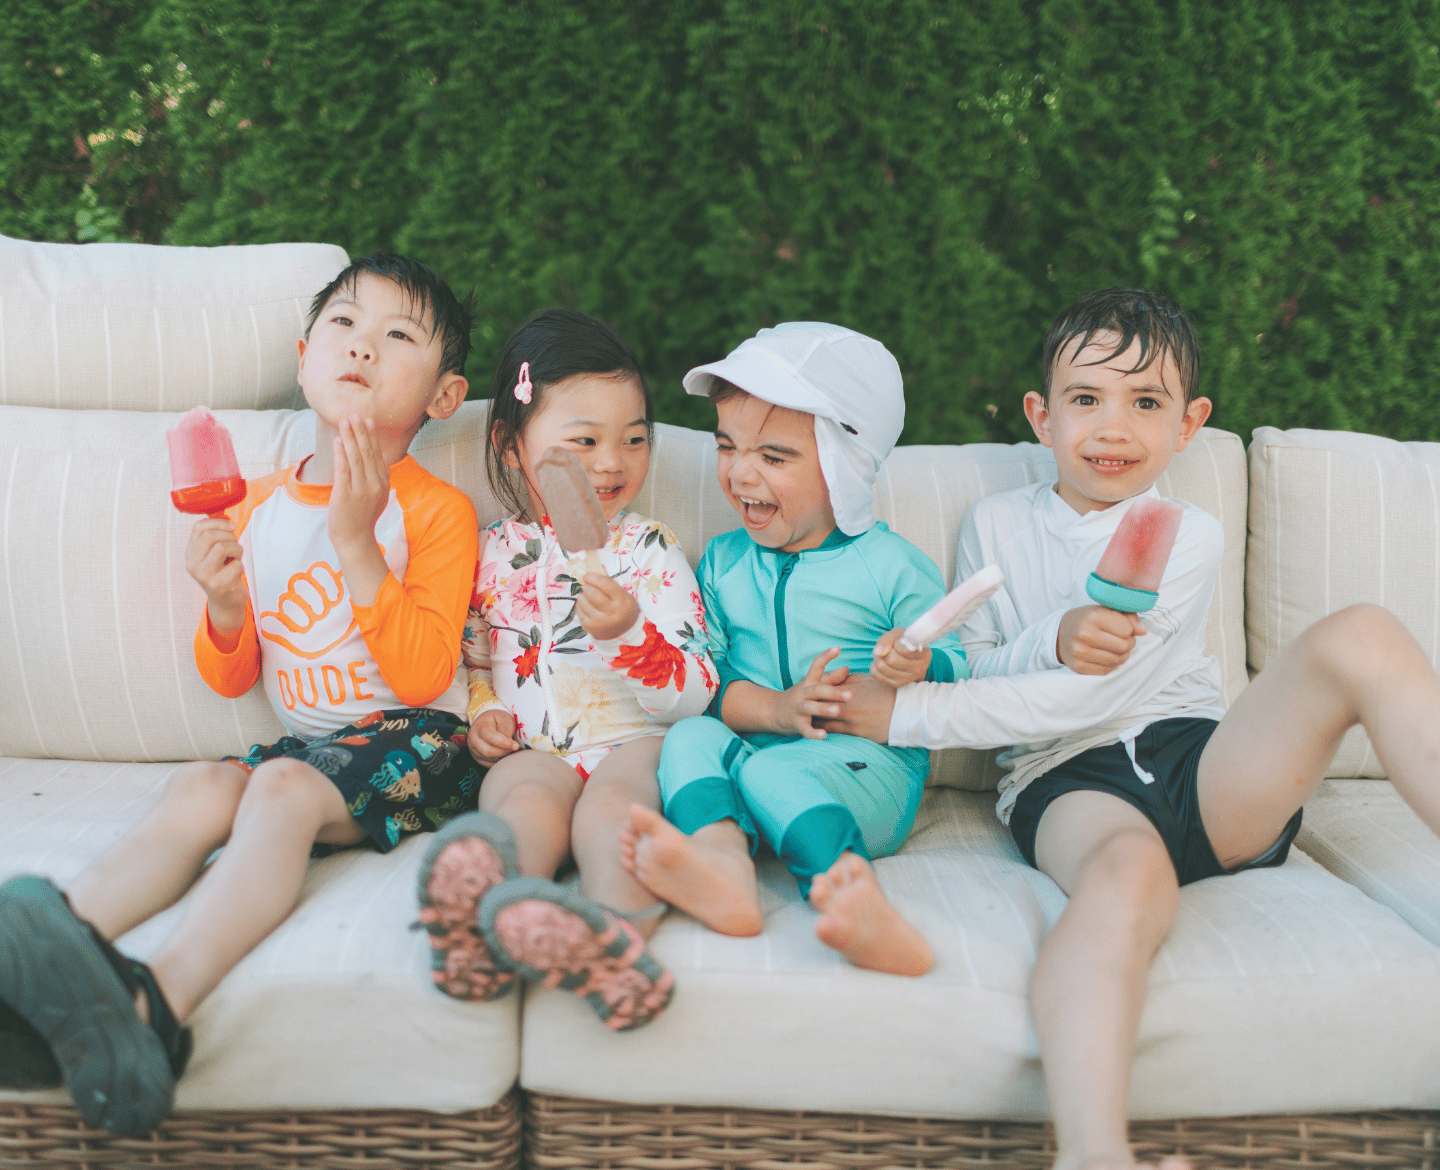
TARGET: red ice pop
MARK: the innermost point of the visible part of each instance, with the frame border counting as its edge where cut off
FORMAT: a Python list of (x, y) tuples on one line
[(1129, 573), (572, 505), (204, 475)]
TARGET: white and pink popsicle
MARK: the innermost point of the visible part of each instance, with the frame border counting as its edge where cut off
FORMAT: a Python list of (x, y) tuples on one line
[(572, 505), (1130, 571), (954, 609), (204, 474)]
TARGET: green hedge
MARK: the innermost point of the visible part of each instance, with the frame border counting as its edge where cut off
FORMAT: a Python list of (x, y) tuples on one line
[(943, 176)]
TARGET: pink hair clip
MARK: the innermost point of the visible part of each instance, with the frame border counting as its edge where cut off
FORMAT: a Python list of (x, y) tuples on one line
[(522, 387)]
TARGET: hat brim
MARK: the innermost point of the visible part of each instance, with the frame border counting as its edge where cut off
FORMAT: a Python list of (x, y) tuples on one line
[(759, 373)]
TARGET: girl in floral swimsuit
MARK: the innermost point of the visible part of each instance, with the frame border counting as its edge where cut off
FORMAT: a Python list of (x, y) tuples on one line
[(575, 676)]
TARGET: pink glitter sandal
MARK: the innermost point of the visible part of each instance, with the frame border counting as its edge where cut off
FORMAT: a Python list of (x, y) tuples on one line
[(467, 857), (558, 938)]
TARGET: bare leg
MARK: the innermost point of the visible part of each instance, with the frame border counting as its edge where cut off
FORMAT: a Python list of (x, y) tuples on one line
[(1088, 989), (158, 859), (1275, 744), (708, 874), (857, 920), (253, 886), (535, 794), (625, 777)]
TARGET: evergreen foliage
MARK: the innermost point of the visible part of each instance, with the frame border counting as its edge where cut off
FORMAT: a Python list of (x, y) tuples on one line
[(943, 176)]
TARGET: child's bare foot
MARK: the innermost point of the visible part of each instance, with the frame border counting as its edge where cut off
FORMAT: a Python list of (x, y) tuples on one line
[(856, 920), (711, 881)]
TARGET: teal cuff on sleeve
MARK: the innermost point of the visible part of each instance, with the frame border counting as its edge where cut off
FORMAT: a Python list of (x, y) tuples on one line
[(947, 666), (727, 676), (1119, 597)]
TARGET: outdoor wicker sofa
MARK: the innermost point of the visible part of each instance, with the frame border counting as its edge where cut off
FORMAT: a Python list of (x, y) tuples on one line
[(1292, 1018)]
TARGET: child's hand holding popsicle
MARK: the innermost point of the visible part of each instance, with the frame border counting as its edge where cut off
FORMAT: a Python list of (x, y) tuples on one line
[(212, 557), (1095, 639)]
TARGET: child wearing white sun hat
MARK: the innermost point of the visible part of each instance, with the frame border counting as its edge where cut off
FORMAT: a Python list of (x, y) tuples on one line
[(796, 599)]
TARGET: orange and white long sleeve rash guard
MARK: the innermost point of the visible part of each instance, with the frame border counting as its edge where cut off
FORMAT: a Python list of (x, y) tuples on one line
[(326, 662)]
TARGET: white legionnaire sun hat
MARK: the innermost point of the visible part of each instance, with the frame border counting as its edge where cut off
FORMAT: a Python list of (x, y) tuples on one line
[(849, 382)]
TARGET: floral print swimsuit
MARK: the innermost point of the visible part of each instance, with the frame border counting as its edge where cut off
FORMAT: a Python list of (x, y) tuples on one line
[(571, 695)]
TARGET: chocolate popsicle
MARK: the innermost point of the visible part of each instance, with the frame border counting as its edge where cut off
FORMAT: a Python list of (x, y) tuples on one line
[(572, 505)]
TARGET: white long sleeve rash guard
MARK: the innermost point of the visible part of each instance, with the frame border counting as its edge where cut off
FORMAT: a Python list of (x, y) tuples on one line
[(1019, 696)]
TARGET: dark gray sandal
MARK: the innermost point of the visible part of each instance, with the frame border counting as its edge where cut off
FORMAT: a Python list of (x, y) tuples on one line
[(78, 993), (466, 859), (557, 937)]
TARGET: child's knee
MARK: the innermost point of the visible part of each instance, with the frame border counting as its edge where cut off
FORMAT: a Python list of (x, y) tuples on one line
[(1359, 644), (206, 791), (288, 783), (1133, 871), (700, 734)]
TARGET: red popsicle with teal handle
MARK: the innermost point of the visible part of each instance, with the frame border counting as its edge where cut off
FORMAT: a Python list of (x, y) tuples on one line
[(1130, 571)]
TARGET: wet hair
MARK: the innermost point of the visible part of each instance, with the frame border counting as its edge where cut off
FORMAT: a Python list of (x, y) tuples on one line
[(1158, 322), (558, 343), (451, 319)]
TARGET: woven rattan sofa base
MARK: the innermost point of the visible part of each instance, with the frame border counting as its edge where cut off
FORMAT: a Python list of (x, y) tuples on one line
[(381, 1139), (562, 1133)]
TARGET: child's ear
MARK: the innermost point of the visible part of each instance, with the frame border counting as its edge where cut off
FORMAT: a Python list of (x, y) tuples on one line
[(502, 440), (1195, 415), (300, 345), (1038, 413), (448, 396)]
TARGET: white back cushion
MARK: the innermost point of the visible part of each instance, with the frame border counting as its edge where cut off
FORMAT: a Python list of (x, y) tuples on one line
[(97, 613), (139, 327), (1338, 518)]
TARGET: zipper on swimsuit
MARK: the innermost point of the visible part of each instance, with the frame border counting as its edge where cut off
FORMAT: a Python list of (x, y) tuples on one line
[(547, 634), (782, 642)]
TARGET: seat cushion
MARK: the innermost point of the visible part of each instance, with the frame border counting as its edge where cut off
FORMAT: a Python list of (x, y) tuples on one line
[(335, 1010), (1279, 989), (139, 327), (1361, 831)]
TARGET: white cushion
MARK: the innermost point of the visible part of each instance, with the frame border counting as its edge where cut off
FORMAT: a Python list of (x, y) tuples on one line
[(138, 327), (1335, 519), (1278, 990), (335, 1010), (1361, 831)]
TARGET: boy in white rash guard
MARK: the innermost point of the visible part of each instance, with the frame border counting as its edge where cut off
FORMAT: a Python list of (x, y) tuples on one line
[(1129, 779)]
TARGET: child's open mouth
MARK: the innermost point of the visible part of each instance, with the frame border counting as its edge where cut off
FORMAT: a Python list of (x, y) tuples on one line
[(757, 513), (610, 494)]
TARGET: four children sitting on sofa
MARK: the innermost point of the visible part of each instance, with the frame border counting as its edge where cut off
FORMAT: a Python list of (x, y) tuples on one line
[(799, 719)]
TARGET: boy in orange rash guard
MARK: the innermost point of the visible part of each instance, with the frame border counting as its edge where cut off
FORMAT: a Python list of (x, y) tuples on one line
[(342, 584)]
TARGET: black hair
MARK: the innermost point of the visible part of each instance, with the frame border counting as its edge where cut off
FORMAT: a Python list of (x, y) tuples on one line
[(451, 319), (1158, 322), (558, 343)]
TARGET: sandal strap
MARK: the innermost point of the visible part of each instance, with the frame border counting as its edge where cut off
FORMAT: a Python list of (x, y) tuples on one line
[(137, 976)]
